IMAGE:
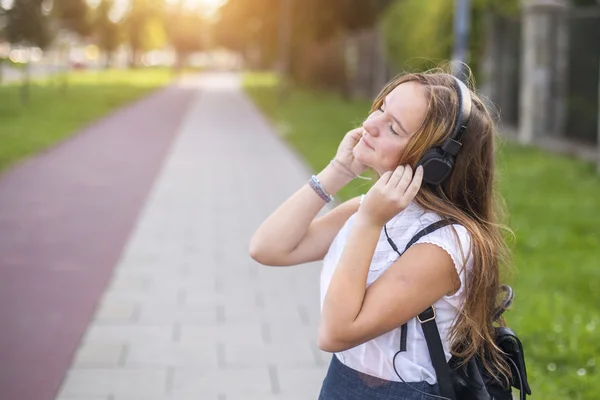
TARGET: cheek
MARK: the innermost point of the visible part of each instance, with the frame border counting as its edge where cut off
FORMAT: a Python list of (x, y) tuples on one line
[(392, 152)]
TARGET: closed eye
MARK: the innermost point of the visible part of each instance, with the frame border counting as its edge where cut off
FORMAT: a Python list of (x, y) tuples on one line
[(391, 127)]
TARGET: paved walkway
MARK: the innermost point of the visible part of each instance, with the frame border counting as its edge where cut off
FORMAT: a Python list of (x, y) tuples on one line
[(65, 216), (187, 313)]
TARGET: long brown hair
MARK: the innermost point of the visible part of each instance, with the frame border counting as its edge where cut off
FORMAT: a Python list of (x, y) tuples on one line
[(467, 196)]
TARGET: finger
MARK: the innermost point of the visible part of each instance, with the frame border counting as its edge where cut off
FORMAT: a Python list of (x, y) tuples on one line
[(351, 138), (415, 184), (356, 133), (405, 180), (397, 176), (384, 179)]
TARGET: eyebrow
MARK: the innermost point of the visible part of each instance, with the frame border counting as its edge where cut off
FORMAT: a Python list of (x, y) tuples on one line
[(396, 120)]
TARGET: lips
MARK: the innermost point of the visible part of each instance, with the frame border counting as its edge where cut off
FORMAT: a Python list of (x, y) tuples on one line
[(367, 143)]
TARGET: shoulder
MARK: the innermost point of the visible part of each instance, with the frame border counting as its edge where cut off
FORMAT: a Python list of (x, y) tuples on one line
[(455, 239)]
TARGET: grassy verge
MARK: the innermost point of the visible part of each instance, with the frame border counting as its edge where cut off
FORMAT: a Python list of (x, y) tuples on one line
[(554, 211), (52, 115)]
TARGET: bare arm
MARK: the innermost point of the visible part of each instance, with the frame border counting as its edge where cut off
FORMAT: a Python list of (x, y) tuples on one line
[(353, 314), (291, 235)]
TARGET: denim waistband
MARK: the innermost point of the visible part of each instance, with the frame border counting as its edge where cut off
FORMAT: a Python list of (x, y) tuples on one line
[(345, 383)]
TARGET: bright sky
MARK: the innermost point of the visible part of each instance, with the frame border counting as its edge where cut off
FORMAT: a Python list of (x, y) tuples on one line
[(209, 7)]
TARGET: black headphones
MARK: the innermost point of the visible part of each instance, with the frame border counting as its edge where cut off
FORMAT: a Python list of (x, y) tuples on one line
[(438, 161)]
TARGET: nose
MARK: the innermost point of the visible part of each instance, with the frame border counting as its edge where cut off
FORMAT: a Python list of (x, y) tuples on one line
[(371, 125)]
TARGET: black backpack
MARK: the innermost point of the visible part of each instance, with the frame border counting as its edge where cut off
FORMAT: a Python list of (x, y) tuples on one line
[(468, 381)]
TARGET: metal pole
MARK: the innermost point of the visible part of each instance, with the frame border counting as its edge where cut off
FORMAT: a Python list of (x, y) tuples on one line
[(285, 29), (461, 37)]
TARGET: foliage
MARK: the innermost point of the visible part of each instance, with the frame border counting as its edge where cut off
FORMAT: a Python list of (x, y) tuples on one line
[(71, 15), (185, 28), (420, 33), (554, 212), (250, 26), (2, 20), (257, 24), (154, 35), (322, 65), (107, 31), (508, 8), (417, 33), (27, 24), (144, 30), (361, 14)]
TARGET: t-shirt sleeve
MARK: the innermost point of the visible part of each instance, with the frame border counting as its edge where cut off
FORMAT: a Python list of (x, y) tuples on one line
[(456, 241)]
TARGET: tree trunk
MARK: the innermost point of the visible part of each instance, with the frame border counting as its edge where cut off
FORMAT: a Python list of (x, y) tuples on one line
[(108, 59), (65, 70), (178, 64), (134, 58), (25, 85)]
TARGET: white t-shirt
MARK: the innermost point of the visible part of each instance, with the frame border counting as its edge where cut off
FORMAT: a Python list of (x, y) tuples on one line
[(375, 356)]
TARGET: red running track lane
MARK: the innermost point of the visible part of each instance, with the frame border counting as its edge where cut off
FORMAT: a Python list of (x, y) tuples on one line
[(65, 216)]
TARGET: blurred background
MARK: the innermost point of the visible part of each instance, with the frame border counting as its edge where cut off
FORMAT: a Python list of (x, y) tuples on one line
[(537, 61), (312, 67)]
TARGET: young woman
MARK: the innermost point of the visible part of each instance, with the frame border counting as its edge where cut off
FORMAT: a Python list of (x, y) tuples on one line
[(431, 141)]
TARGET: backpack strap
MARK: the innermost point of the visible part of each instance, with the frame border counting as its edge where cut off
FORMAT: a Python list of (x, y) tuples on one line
[(427, 230), (436, 352), (423, 232), (427, 320)]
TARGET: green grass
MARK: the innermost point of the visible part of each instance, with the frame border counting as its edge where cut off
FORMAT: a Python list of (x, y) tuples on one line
[(53, 115), (554, 206)]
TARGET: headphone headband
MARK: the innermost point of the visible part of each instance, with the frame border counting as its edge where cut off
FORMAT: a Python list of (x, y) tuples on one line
[(438, 162), (464, 109)]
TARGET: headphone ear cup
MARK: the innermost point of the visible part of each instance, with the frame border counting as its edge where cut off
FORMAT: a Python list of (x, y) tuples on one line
[(436, 166)]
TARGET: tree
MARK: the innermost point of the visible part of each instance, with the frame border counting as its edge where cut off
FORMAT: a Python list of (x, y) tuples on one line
[(322, 28), (243, 24), (331, 17), (144, 27), (184, 31), (27, 25), (251, 28), (2, 20), (106, 31), (2, 26), (420, 33), (72, 16)]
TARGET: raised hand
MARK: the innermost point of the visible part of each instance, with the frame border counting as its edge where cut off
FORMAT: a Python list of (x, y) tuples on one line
[(345, 154), (390, 195)]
